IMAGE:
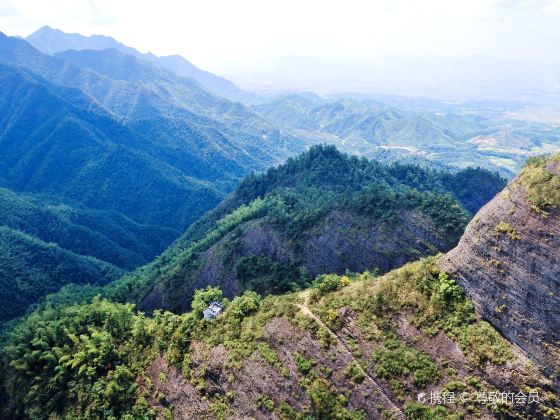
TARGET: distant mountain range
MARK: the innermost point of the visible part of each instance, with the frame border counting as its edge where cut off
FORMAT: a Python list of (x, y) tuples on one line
[(132, 196), (453, 134), (52, 41), (456, 135), (111, 157)]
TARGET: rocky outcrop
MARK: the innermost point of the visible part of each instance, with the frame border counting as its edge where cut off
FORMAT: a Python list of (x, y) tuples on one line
[(289, 360), (344, 241), (337, 242), (508, 261)]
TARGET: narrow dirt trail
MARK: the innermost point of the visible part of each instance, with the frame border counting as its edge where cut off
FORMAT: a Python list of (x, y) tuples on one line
[(340, 341)]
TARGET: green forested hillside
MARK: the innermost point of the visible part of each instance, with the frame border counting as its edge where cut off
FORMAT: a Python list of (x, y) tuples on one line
[(459, 135), (326, 166), (90, 157), (106, 235), (30, 269), (348, 348), (320, 212)]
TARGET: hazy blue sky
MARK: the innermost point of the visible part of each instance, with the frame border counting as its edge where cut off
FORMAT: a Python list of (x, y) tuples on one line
[(213, 33), (338, 42)]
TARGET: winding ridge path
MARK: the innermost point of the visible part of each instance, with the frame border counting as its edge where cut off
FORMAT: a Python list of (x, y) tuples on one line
[(383, 396)]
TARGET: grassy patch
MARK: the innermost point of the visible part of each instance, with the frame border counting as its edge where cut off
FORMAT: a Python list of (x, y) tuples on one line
[(433, 301), (354, 373), (303, 365), (397, 360), (507, 229), (542, 185)]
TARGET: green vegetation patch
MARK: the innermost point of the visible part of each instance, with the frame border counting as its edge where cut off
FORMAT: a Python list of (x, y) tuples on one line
[(507, 229), (434, 301), (398, 360), (355, 373), (303, 364), (541, 184), (80, 362), (327, 403), (418, 411)]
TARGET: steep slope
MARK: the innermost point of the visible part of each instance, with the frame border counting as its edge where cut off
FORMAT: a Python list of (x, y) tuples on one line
[(106, 235), (91, 158), (30, 269), (509, 264), (51, 41), (359, 348), (322, 212)]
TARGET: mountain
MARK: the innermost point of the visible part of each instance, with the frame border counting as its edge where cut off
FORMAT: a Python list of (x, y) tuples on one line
[(52, 41), (350, 347), (31, 269), (508, 263), (106, 235), (322, 212), (89, 157), (458, 135)]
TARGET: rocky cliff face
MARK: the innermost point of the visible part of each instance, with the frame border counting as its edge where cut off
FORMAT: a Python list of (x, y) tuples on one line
[(322, 212), (334, 243), (508, 261), (369, 350)]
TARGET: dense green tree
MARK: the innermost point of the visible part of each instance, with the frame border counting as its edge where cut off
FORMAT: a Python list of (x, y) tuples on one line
[(79, 361), (203, 297)]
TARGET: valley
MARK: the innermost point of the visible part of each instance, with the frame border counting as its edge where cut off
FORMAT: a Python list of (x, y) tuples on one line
[(364, 252)]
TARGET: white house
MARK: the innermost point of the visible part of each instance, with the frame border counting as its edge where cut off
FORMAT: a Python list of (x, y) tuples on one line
[(213, 310)]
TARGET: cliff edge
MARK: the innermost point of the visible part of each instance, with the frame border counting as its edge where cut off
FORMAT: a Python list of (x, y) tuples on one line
[(508, 261)]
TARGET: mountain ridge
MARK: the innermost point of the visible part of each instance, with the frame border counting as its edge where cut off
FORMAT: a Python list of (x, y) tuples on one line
[(321, 212), (331, 351), (52, 41)]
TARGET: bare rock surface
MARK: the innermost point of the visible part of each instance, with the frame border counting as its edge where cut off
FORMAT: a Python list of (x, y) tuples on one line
[(508, 261)]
